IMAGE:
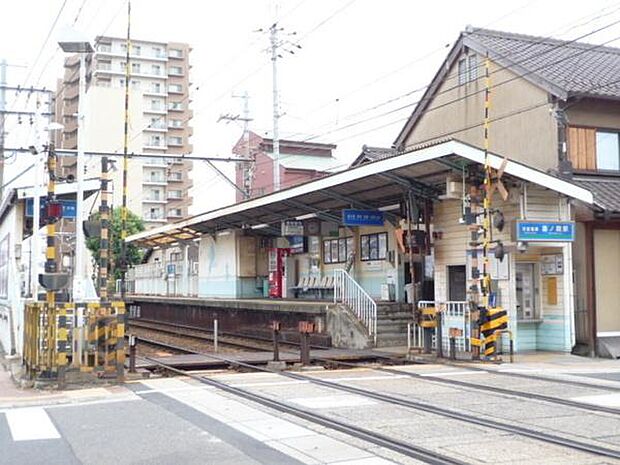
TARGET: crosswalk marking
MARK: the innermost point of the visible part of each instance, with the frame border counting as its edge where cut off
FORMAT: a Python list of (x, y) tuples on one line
[(31, 423)]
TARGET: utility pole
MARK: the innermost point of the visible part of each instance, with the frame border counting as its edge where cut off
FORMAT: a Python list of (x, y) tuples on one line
[(249, 164), (273, 36), (3, 85)]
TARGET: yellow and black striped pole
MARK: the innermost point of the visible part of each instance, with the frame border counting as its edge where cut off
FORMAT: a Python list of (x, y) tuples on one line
[(123, 261), (492, 318), (104, 242), (50, 253)]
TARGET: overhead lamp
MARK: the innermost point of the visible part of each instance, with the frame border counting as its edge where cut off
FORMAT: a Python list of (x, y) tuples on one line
[(307, 216), (387, 208), (260, 226), (224, 233), (73, 41)]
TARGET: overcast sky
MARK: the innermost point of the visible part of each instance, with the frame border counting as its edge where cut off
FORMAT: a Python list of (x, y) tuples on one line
[(356, 55)]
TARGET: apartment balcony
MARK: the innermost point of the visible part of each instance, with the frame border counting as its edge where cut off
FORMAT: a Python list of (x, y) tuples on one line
[(173, 215), (119, 53), (172, 196), (175, 177), (175, 106), (158, 125), (155, 93), (175, 90), (175, 143), (154, 218), (159, 201), (158, 181), (176, 73), (176, 54), (156, 110), (156, 162)]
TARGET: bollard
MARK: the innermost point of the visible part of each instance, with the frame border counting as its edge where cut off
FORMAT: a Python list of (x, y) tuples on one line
[(452, 348), (439, 336), (215, 335), (305, 328), (275, 326), (408, 338), (133, 342)]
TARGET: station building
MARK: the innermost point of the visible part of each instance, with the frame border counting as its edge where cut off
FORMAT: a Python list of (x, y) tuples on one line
[(339, 240)]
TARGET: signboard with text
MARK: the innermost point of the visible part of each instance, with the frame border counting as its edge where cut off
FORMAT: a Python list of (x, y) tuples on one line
[(68, 207), (292, 228), (362, 218), (545, 231)]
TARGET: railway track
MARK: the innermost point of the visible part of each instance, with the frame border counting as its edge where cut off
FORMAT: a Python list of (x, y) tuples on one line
[(402, 402), (435, 379), (237, 340)]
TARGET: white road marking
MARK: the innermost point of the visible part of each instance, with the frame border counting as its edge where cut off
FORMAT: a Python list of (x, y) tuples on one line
[(605, 400), (32, 423), (322, 402), (453, 373)]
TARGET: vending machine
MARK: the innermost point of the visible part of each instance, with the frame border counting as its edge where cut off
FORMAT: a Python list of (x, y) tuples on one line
[(277, 264)]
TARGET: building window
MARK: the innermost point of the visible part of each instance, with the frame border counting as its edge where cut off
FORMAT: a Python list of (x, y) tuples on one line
[(175, 194), (337, 250), (157, 52), (468, 69), (135, 67), (373, 246), (175, 106), (156, 70), (176, 70), (136, 50), (175, 52), (175, 140), (175, 88), (607, 151), (135, 84), (472, 65), (176, 176), (156, 87), (175, 123)]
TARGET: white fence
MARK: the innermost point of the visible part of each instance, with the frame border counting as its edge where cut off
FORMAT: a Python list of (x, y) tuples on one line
[(170, 278), (348, 292), (454, 314)]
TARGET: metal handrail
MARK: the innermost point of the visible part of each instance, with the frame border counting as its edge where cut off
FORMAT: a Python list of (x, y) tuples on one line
[(350, 293)]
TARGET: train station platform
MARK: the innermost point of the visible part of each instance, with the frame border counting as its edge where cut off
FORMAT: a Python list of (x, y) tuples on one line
[(333, 324)]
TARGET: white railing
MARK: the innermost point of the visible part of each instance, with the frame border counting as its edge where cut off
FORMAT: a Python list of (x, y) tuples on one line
[(351, 294), (454, 314)]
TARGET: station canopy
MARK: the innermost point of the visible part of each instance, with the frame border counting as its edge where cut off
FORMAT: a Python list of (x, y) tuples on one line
[(371, 186)]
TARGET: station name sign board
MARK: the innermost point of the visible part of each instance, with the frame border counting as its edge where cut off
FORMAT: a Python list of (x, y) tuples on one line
[(362, 218), (545, 231), (292, 228), (68, 207)]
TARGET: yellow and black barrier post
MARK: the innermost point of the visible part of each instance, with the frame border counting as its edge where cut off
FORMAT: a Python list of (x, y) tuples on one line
[(495, 320), (428, 323)]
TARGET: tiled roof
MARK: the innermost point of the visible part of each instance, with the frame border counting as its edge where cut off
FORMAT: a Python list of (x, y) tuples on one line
[(373, 154), (576, 68), (606, 191), (562, 68)]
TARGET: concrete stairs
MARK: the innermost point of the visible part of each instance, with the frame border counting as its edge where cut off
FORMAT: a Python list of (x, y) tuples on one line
[(392, 320)]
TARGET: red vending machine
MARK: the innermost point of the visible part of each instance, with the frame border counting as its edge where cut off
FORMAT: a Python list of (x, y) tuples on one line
[(277, 264)]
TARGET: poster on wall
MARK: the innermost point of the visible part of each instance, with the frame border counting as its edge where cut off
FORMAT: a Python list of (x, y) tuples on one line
[(4, 267)]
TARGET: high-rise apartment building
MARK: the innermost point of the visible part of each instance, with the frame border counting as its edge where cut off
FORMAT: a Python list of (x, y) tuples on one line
[(158, 187)]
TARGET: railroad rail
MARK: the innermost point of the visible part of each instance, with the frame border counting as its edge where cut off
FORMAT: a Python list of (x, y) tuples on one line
[(410, 404), (238, 340), (442, 380), (393, 444)]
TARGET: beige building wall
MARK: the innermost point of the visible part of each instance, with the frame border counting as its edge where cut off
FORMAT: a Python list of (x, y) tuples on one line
[(607, 270), (105, 133), (457, 112)]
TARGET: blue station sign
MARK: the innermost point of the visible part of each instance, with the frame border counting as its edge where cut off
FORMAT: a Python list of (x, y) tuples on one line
[(541, 231), (68, 207), (362, 218)]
